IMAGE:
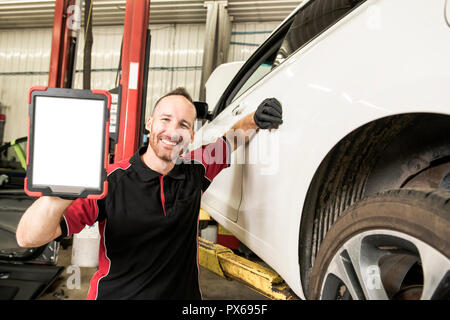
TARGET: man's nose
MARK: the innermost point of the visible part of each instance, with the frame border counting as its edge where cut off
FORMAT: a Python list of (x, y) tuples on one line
[(173, 133)]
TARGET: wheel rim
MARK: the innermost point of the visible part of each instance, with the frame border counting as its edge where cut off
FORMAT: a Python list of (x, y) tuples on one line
[(386, 264)]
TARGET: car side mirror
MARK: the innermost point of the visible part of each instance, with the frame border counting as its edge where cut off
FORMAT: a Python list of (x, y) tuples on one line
[(202, 111)]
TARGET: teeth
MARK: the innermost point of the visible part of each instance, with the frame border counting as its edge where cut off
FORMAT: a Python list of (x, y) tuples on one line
[(169, 142)]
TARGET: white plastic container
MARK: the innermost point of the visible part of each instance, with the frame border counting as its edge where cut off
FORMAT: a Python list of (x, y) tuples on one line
[(209, 233), (85, 247)]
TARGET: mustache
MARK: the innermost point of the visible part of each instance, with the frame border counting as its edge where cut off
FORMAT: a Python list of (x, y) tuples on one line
[(174, 138)]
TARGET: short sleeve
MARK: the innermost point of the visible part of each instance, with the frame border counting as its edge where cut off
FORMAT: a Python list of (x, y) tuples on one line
[(214, 157), (82, 212)]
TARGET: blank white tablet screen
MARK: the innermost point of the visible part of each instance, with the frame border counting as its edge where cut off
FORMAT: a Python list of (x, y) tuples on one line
[(68, 142)]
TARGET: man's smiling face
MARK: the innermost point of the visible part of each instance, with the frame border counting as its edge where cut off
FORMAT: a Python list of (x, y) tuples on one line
[(171, 127)]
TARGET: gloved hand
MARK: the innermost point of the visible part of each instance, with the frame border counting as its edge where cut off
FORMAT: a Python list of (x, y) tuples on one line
[(268, 115)]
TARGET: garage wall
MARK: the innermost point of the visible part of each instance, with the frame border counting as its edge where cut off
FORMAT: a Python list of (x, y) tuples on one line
[(175, 60), (24, 62), (246, 37)]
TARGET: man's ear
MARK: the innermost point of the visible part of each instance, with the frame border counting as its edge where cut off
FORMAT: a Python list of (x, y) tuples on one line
[(148, 123)]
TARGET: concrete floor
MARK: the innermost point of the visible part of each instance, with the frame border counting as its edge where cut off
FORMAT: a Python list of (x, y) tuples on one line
[(212, 286)]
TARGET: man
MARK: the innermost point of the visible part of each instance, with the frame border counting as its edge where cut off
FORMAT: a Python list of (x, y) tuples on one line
[(148, 221)]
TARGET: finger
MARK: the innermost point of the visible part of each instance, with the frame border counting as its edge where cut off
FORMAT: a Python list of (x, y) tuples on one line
[(272, 111), (264, 125), (274, 103), (269, 125), (268, 118)]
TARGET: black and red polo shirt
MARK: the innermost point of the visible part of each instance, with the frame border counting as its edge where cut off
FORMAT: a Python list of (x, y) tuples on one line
[(148, 226)]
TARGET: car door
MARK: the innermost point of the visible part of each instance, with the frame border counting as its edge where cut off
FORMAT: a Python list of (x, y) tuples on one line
[(225, 194)]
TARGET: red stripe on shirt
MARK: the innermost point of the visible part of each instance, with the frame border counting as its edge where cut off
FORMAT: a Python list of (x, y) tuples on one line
[(104, 264), (163, 200)]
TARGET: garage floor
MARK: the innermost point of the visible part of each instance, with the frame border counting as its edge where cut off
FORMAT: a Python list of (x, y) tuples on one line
[(212, 286)]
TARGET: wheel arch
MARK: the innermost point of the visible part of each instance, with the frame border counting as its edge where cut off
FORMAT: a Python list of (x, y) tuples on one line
[(378, 156)]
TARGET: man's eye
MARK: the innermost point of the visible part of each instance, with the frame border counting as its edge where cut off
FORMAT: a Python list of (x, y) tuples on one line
[(165, 119)]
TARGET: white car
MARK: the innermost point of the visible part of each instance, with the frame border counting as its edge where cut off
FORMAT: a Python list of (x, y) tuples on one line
[(349, 198)]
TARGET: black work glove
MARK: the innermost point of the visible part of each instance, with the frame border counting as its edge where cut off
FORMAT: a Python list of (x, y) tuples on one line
[(268, 115)]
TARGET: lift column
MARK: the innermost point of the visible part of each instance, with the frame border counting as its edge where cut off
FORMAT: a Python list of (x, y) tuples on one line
[(132, 79), (64, 40)]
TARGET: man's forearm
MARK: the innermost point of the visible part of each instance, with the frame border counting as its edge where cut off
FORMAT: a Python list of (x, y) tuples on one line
[(268, 115), (40, 223), (241, 131)]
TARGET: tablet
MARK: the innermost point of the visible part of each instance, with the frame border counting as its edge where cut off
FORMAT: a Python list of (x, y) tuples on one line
[(68, 137)]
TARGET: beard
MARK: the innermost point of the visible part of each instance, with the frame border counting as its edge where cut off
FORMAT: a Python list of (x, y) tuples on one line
[(164, 153)]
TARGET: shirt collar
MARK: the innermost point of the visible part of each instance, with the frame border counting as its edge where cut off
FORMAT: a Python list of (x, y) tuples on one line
[(147, 173)]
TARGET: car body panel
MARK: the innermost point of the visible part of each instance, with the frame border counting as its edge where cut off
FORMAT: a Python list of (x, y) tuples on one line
[(219, 78), (384, 58), (447, 12)]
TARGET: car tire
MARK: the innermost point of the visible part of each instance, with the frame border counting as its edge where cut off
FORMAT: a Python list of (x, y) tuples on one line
[(394, 245)]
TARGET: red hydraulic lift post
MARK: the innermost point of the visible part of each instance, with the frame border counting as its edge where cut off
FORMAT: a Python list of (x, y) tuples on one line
[(60, 60), (133, 58)]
